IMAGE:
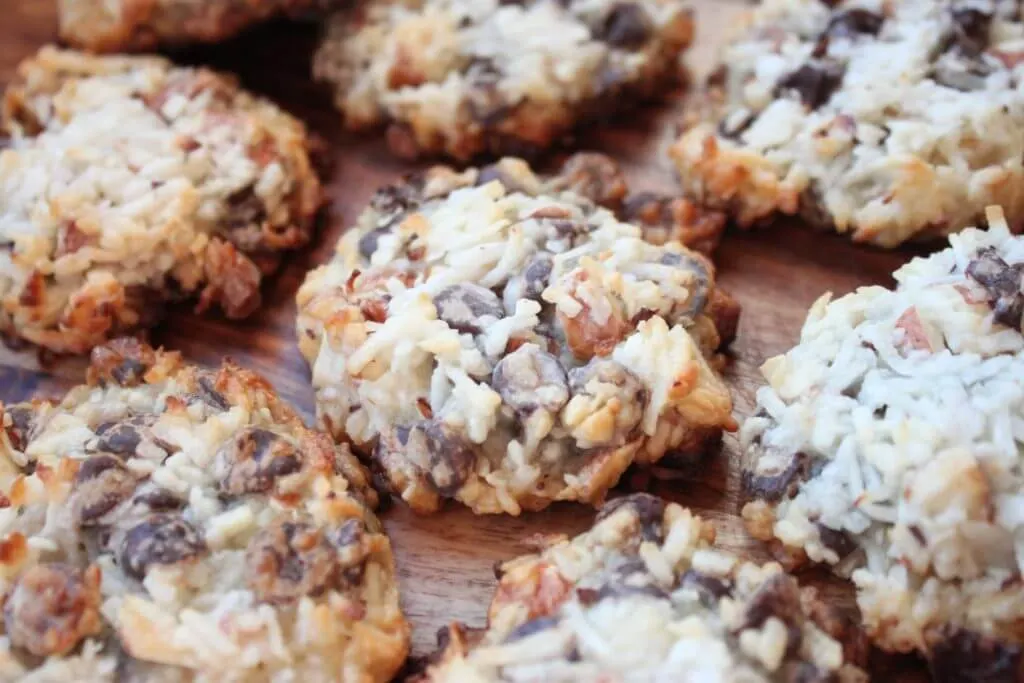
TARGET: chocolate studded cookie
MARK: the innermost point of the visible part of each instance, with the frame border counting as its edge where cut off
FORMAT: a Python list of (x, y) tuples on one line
[(169, 523), (124, 25), (491, 337), (888, 444), (889, 121), (470, 77), (126, 183), (645, 596)]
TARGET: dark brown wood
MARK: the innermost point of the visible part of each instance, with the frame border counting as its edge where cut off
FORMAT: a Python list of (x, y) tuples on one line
[(445, 561)]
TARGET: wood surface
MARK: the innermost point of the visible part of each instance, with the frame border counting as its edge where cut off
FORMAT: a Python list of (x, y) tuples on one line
[(446, 561)]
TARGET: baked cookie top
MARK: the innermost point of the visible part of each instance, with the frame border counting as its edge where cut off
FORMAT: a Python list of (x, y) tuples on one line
[(470, 77), (886, 119), (126, 182), (888, 442), (494, 337), (169, 523), (128, 25), (645, 596)]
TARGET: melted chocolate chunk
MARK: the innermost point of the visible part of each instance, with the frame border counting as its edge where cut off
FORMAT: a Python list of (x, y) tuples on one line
[(814, 82), (1003, 283)]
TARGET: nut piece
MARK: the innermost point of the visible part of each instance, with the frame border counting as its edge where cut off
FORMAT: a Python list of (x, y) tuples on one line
[(52, 607), (289, 560), (163, 539), (530, 378), (253, 460), (594, 176)]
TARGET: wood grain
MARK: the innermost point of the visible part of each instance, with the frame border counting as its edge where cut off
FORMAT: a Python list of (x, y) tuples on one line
[(445, 561)]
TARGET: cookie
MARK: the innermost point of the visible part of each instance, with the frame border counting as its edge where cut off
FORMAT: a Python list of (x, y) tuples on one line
[(169, 523), (127, 183), (887, 444), (889, 121), (645, 596), (469, 77), (491, 338), (129, 25)]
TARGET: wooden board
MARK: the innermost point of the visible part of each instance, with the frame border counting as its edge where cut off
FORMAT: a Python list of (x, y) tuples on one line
[(446, 561)]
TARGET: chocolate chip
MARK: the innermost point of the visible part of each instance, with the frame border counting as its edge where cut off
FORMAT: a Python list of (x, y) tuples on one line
[(627, 26), (208, 394), (813, 82), (839, 542), (468, 308), (648, 509), (245, 209), (853, 22), (289, 560), (159, 500), (451, 458), (162, 539), (368, 242), (971, 30), (22, 421), (530, 378), (121, 438), (252, 461), (709, 588), (536, 276), (101, 484), (780, 482), (1004, 284), (779, 597), (961, 656)]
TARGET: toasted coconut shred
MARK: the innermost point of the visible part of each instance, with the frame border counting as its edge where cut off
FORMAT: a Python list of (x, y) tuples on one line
[(499, 339), (888, 444), (645, 596), (166, 523), (127, 182)]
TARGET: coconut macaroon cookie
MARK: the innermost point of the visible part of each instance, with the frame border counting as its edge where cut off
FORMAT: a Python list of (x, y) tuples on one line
[(888, 443), (468, 77), (127, 182), (168, 523), (888, 120), (122, 25), (493, 339), (646, 597)]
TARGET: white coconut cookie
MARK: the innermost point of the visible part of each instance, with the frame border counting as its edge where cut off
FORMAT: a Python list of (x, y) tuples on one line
[(126, 182), (496, 339), (122, 25), (470, 77), (888, 443), (889, 120), (645, 597), (168, 523)]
